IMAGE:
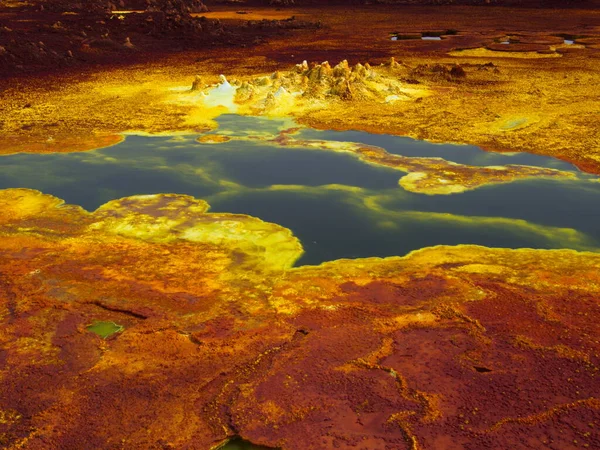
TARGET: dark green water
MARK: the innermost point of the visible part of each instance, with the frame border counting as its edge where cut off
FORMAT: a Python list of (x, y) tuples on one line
[(239, 444), (337, 205), (104, 329)]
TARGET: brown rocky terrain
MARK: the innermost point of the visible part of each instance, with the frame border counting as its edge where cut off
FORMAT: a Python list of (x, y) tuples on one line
[(512, 3), (57, 35)]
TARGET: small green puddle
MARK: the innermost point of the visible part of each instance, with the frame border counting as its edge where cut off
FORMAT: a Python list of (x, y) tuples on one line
[(240, 444), (104, 329)]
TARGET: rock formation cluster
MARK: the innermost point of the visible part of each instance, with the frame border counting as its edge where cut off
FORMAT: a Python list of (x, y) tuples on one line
[(312, 85)]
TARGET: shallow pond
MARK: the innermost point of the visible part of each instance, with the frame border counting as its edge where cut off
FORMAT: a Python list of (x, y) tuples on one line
[(104, 329), (239, 444), (339, 206)]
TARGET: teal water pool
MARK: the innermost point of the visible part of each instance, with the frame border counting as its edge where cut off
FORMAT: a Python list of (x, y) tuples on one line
[(338, 205)]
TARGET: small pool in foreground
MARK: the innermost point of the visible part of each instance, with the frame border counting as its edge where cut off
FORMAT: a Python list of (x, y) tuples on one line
[(104, 329), (239, 444), (339, 206)]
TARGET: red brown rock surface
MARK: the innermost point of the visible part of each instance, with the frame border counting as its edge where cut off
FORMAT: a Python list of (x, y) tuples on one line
[(449, 347)]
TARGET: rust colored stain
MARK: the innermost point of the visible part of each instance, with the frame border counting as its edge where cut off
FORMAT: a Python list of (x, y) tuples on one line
[(449, 347)]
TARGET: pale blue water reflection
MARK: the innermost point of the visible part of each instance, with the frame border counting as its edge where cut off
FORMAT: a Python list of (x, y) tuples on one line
[(337, 205)]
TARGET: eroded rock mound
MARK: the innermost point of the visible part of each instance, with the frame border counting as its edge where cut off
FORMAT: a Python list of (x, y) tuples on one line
[(449, 72), (311, 85)]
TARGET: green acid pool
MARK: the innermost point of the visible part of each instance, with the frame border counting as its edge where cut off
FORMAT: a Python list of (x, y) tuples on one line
[(338, 205)]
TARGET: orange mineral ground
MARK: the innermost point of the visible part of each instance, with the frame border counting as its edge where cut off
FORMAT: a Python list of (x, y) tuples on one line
[(154, 323), (210, 333)]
